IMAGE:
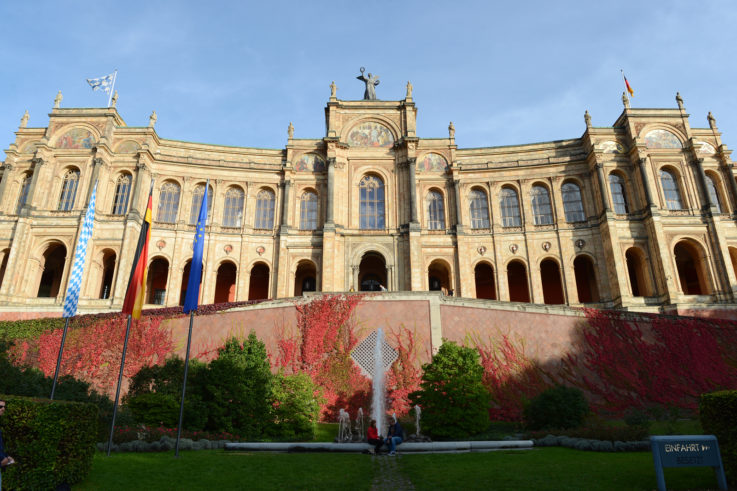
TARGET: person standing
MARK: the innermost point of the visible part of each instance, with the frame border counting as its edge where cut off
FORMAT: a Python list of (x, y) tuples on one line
[(5, 459), (372, 436)]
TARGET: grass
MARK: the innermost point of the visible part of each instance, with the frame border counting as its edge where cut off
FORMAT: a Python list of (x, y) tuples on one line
[(538, 469)]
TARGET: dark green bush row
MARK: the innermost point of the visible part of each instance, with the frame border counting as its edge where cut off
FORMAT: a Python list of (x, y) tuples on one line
[(234, 393), (718, 415), (52, 442), (558, 407)]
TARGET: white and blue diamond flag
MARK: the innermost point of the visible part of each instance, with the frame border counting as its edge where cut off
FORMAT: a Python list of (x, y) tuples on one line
[(80, 256), (103, 83)]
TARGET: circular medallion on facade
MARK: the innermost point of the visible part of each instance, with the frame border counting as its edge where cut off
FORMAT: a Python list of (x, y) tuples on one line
[(161, 244), (482, 250), (580, 243), (260, 250), (513, 248), (546, 246), (228, 249)]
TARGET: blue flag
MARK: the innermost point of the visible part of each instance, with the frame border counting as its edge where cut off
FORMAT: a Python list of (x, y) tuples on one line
[(80, 256), (195, 269)]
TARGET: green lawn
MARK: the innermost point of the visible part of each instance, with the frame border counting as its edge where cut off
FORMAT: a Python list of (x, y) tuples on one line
[(538, 469)]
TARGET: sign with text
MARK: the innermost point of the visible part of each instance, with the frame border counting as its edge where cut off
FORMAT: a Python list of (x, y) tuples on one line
[(687, 451)]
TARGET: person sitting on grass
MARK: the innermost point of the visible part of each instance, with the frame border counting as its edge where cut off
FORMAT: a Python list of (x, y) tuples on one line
[(372, 436), (396, 435)]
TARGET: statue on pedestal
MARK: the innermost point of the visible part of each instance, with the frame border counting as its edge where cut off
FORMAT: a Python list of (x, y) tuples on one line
[(371, 82)]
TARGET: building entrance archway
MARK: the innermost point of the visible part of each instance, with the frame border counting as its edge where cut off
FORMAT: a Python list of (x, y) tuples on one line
[(53, 269), (551, 282), (158, 274), (438, 277), (258, 287), (690, 263), (586, 286), (485, 286), (519, 287), (305, 278), (372, 272), (637, 271), (225, 283)]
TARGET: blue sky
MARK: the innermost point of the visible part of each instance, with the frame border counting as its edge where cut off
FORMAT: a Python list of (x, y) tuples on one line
[(236, 73)]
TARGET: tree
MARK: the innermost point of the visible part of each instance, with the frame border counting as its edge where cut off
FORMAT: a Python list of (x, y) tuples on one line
[(454, 401), (296, 406), (238, 388)]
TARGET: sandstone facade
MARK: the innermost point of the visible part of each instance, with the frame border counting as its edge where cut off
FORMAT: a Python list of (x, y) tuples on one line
[(640, 215)]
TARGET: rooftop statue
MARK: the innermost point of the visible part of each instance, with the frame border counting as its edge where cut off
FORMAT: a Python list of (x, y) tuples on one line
[(371, 82)]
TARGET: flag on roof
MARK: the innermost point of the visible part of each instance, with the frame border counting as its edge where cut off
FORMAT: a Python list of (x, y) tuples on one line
[(629, 87), (103, 83)]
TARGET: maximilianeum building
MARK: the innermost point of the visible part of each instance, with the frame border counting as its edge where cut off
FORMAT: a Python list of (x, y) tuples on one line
[(639, 215)]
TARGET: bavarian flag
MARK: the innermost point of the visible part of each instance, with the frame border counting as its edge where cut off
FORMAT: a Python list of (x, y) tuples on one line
[(137, 284)]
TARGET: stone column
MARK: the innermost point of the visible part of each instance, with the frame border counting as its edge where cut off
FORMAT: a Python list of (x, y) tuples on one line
[(457, 192), (390, 278), (701, 182), (412, 162), (329, 217), (354, 280), (132, 207), (646, 182), (38, 163), (285, 203), (603, 187), (97, 162), (7, 175), (732, 186)]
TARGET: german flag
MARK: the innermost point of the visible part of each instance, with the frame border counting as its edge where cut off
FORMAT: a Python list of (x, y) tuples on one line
[(627, 84), (137, 284)]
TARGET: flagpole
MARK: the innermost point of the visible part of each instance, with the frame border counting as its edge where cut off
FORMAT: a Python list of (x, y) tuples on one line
[(58, 359), (112, 89), (120, 380), (184, 383)]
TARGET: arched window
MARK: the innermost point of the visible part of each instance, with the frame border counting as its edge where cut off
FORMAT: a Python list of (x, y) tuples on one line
[(168, 202), (122, 190), (435, 211), (616, 186), (69, 190), (371, 191), (541, 209), (25, 185), (308, 211), (265, 201), (510, 208), (194, 212), (711, 187), (233, 212), (572, 203), (479, 209), (670, 190)]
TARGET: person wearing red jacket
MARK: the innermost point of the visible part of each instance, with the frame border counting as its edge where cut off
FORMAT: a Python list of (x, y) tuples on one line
[(372, 436)]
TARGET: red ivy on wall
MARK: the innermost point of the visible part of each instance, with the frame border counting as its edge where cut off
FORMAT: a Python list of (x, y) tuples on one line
[(645, 361)]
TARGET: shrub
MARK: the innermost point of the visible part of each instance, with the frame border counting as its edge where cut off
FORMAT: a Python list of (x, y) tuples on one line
[(718, 413), (238, 388), (454, 401), (558, 407), (296, 407), (52, 442), (155, 394)]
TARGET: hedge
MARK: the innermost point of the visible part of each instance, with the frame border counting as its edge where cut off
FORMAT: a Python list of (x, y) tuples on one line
[(53, 442), (718, 414)]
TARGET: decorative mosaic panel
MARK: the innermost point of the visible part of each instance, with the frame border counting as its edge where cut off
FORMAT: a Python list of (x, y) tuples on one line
[(703, 147), (310, 162), (128, 146), (662, 139), (611, 147), (363, 354), (76, 138), (432, 162), (30, 147), (370, 134)]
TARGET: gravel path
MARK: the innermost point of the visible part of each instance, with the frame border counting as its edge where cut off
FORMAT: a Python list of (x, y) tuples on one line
[(387, 475)]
